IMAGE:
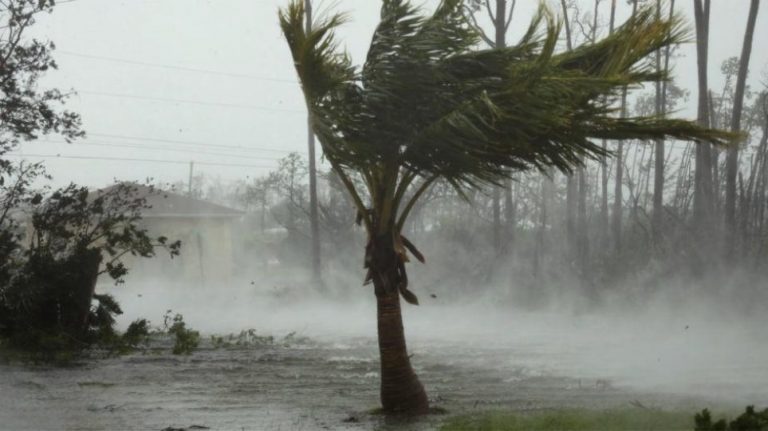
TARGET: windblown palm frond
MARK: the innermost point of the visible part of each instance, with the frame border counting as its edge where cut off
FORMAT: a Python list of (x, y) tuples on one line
[(428, 104), (427, 101)]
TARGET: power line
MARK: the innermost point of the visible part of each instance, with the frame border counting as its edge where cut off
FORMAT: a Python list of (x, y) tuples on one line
[(191, 143), (157, 148), (172, 67), (126, 159), (187, 101)]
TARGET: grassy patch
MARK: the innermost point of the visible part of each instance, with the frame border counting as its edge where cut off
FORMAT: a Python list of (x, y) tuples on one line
[(574, 420)]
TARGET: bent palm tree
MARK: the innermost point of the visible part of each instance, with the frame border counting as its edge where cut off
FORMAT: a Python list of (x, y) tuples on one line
[(428, 105)]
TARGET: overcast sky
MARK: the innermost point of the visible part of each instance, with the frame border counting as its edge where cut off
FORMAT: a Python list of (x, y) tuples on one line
[(193, 80)]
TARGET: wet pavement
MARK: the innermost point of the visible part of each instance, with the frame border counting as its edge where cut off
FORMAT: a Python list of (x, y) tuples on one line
[(326, 377), (285, 386)]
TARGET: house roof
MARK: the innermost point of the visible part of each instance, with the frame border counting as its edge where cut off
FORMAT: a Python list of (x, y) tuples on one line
[(169, 204)]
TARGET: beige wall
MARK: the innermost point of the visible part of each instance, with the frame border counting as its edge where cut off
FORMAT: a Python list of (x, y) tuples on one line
[(207, 252)]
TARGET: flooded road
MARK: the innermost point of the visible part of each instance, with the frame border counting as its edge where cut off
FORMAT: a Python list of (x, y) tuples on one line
[(322, 373), (291, 387)]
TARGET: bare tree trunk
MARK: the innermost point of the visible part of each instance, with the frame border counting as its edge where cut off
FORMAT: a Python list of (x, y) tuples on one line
[(313, 209), (747, 208), (85, 288), (618, 195), (661, 107), (604, 217), (715, 155), (618, 187), (546, 191), (510, 215), (683, 195), (732, 161), (583, 225), (760, 189), (702, 199), (496, 205), (570, 212), (570, 196), (500, 240), (582, 236), (604, 198)]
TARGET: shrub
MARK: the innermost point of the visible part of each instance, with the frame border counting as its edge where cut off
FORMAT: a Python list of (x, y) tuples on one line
[(185, 340), (246, 338), (750, 420), (137, 334), (48, 302)]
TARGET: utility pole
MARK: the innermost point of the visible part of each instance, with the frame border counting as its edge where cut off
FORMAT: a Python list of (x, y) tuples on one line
[(189, 184), (313, 213)]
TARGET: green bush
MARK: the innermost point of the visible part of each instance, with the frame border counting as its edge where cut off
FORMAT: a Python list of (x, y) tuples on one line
[(245, 338), (185, 340), (137, 333), (750, 420), (48, 270)]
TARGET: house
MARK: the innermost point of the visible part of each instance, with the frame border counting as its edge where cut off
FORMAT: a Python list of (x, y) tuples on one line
[(207, 234)]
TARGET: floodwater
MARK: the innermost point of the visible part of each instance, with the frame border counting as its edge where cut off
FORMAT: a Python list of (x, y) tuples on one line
[(321, 370)]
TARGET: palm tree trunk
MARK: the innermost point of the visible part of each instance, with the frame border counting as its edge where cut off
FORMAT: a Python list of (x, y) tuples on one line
[(401, 390)]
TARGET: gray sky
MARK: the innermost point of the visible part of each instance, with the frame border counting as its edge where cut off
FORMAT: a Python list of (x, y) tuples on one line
[(111, 53)]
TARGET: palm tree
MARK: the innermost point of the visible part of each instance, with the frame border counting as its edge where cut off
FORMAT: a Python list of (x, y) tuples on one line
[(428, 105)]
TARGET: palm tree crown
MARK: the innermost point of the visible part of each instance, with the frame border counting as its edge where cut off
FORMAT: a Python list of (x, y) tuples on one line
[(429, 104)]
